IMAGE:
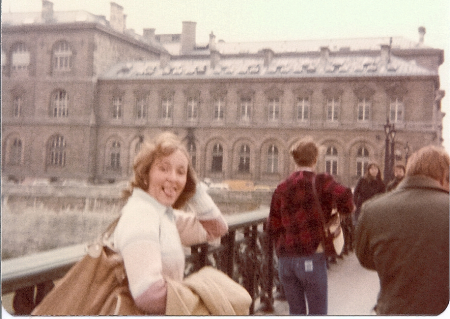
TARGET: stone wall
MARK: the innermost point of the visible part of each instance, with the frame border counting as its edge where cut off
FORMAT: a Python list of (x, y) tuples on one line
[(39, 218)]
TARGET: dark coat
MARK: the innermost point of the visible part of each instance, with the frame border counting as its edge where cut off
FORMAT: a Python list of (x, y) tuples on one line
[(393, 184), (366, 189), (404, 236)]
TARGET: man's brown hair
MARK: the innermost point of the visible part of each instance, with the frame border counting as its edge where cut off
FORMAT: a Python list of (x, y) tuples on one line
[(305, 152)]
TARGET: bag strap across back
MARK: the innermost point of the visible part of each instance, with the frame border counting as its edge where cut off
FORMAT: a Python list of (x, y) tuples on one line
[(319, 206)]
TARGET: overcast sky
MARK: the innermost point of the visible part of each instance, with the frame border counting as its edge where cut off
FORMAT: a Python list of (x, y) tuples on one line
[(260, 20)]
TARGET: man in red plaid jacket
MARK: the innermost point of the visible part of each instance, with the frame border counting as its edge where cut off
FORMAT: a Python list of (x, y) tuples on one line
[(295, 227)]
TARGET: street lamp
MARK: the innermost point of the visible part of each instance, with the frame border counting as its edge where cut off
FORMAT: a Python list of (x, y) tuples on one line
[(406, 153), (389, 131), (392, 155)]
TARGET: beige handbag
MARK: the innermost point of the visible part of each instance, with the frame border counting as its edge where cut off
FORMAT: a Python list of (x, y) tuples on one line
[(333, 237), (96, 285)]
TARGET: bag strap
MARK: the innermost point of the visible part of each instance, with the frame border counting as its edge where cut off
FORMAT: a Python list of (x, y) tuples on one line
[(110, 229), (319, 206), (104, 238)]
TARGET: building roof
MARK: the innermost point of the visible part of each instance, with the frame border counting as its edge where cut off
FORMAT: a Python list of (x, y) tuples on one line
[(17, 19), (280, 67), (26, 18), (295, 46), (352, 44)]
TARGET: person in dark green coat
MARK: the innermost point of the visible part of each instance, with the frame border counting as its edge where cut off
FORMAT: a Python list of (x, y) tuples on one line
[(404, 236)]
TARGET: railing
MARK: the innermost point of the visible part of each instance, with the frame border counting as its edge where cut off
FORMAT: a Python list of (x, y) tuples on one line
[(244, 254)]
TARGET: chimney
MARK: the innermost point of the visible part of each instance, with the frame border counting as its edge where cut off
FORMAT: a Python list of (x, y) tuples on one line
[(268, 56), (212, 42), (164, 59), (385, 53), (47, 10), (422, 32), (188, 37), (324, 53), (215, 59), (214, 53), (149, 34), (117, 18)]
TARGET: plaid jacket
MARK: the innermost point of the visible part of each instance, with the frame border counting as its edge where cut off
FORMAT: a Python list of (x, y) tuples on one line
[(294, 223)]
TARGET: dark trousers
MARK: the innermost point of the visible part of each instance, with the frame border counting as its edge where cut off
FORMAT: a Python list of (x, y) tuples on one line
[(305, 284)]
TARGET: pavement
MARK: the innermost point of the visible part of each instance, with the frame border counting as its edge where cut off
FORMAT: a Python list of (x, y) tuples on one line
[(352, 290)]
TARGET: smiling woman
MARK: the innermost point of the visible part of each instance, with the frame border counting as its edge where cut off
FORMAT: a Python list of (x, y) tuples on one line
[(152, 228), (168, 177)]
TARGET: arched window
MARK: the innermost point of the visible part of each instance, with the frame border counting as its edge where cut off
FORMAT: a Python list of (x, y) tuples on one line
[(15, 152), (17, 106), (62, 57), (331, 160), (114, 155), (217, 158), (244, 159), (56, 153), (138, 146), (60, 103), (272, 159), (362, 161), (192, 149), (20, 58)]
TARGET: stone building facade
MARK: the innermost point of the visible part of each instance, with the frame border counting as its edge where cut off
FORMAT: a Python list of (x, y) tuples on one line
[(239, 106), (50, 65)]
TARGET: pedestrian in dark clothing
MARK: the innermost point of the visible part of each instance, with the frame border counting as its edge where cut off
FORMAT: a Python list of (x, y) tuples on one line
[(296, 227), (399, 174), (368, 186), (347, 230)]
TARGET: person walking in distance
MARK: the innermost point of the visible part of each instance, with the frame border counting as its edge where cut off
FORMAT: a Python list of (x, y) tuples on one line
[(399, 174), (295, 227), (368, 186), (404, 236)]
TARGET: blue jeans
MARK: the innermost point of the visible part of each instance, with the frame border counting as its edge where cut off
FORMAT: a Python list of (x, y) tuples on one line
[(305, 284)]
